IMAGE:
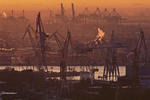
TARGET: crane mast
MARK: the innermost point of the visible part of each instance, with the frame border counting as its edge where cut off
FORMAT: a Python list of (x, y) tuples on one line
[(137, 54), (64, 50), (64, 54), (111, 68), (63, 47), (141, 44), (42, 42), (38, 42)]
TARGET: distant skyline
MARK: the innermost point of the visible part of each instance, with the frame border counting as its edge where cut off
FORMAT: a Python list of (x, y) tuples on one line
[(54, 4), (124, 7)]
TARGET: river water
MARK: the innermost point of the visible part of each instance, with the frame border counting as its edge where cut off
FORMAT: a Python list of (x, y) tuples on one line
[(122, 70)]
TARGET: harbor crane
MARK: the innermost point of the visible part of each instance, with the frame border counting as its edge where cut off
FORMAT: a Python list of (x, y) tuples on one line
[(141, 44), (73, 11), (111, 68), (63, 47), (42, 39), (97, 11), (38, 42), (64, 50), (31, 33)]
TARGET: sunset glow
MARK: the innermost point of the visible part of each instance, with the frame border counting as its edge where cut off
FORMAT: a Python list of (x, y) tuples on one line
[(4, 15), (100, 35), (54, 4)]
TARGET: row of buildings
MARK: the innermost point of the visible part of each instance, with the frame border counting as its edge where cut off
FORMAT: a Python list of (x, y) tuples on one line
[(97, 16), (4, 16)]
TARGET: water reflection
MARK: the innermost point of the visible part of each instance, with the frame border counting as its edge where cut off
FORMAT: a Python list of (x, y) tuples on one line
[(97, 74)]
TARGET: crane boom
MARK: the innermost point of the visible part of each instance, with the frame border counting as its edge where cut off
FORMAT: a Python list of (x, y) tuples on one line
[(63, 47)]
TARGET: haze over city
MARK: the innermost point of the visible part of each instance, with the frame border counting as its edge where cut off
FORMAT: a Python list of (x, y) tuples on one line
[(74, 49), (124, 7), (44, 4)]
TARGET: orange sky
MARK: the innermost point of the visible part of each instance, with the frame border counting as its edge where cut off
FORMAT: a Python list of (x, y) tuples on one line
[(54, 4)]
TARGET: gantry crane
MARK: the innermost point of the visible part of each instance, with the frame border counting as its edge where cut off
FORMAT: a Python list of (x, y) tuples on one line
[(111, 68)]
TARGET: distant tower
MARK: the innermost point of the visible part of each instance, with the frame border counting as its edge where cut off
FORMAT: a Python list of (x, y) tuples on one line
[(73, 11), (23, 13), (62, 9), (105, 14), (136, 59), (86, 11), (51, 19), (12, 12), (97, 12), (114, 9), (114, 12)]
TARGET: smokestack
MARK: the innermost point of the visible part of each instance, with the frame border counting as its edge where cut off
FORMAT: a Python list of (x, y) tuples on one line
[(73, 11), (62, 9)]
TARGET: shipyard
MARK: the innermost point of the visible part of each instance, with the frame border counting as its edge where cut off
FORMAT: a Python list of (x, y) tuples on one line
[(91, 52)]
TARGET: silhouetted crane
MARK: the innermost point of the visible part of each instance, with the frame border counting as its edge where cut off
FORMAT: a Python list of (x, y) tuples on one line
[(63, 45), (42, 39), (111, 68), (73, 11), (38, 42), (64, 50), (141, 44), (97, 11), (137, 57), (31, 33)]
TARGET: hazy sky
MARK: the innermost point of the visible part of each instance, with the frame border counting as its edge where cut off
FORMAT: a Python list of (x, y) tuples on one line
[(54, 4)]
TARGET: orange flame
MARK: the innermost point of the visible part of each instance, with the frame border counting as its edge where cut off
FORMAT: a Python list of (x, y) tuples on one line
[(100, 35), (4, 15)]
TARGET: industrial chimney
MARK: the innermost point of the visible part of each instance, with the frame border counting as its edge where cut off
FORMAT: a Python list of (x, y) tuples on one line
[(62, 10), (73, 11)]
